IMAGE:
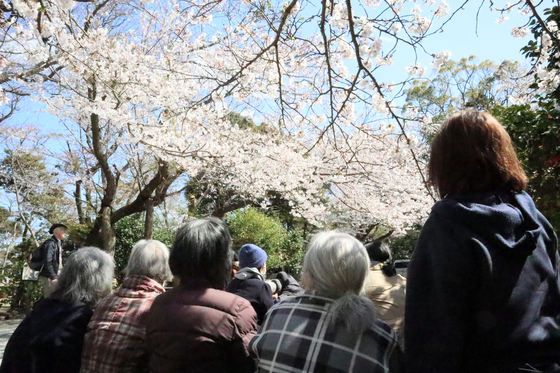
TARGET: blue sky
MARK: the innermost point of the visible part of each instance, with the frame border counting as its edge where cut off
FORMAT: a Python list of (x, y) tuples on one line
[(489, 41), (463, 37)]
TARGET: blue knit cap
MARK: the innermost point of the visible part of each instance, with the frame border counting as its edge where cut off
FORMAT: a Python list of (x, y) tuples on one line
[(252, 256)]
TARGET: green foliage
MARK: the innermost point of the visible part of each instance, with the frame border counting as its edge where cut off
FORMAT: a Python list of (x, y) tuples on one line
[(246, 123), (251, 226), (285, 248), (7, 224), (292, 250), (36, 187), (535, 132), (458, 85), (20, 294), (165, 235), (533, 49), (16, 166), (77, 235), (128, 231), (403, 246), (536, 136), (241, 121)]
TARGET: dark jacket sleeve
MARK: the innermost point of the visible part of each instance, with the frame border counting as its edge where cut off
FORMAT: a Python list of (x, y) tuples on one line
[(396, 359), (67, 354), (439, 290), (49, 340), (266, 296), (246, 329), (50, 270)]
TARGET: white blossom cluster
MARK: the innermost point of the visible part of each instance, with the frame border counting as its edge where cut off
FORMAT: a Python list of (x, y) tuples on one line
[(165, 79), (548, 77)]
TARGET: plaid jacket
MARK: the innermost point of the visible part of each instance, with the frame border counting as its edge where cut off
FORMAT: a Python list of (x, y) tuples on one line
[(297, 337), (115, 341)]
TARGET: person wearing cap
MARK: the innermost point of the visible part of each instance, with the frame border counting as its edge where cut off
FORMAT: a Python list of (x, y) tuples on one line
[(51, 252), (249, 281)]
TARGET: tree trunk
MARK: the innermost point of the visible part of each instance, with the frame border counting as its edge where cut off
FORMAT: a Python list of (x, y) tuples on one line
[(149, 222), (155, 189), (23, 219), (14, 237), (89, 203), (78, 200), (103, 222), (108, 238), (222, 209), (155, 192), (106, 217), (165, 215)]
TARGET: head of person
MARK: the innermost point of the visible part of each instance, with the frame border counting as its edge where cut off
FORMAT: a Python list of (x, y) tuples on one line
[(58, 230), (472, 153), (252, 256), (149, 258), (235, 263), (379, 251), (336, 266), (202, 251), (87, 277)]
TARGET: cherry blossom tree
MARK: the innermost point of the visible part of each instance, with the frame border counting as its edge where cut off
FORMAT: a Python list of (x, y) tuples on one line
[(137, 79), (31, 193)]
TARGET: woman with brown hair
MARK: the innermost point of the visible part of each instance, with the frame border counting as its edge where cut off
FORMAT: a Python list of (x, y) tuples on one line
[(483, 293)]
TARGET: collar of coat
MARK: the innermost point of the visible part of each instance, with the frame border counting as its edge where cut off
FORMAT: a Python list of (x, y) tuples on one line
[(249, 272)]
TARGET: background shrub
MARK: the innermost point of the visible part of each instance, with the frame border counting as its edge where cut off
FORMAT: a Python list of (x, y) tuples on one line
[(285, 248)]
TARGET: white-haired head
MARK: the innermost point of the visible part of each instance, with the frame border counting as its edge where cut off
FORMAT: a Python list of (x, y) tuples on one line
[(335, 263), (87, 277), (336, 266), (149, 258)]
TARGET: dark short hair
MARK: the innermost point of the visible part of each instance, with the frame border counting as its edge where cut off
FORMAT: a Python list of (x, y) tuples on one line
[(379, 251), (473, 153), (201, 251), (56, 226)]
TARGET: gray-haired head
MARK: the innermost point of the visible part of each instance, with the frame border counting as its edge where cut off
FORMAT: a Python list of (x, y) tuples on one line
[(201, 251), (149, 258), (87, 277), (336, 266), (336, 263)]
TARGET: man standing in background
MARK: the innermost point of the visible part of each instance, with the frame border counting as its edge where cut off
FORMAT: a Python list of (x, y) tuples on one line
[(51, 253)]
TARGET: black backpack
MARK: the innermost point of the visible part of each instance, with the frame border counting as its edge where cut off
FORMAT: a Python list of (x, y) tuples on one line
[(36, 260)]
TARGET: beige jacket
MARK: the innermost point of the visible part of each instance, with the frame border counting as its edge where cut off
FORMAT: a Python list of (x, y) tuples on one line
[(388, 294)]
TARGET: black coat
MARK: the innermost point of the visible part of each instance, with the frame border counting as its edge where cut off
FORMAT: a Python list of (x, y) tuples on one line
[(49, 340), (255, 290), (483, 288), (51, 258)]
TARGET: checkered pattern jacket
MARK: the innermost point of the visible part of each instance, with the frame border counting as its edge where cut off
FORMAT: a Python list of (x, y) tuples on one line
[(115, 341), (297, 337)]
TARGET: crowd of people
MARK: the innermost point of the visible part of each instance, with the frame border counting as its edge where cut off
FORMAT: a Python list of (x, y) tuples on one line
[(481, 295)]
